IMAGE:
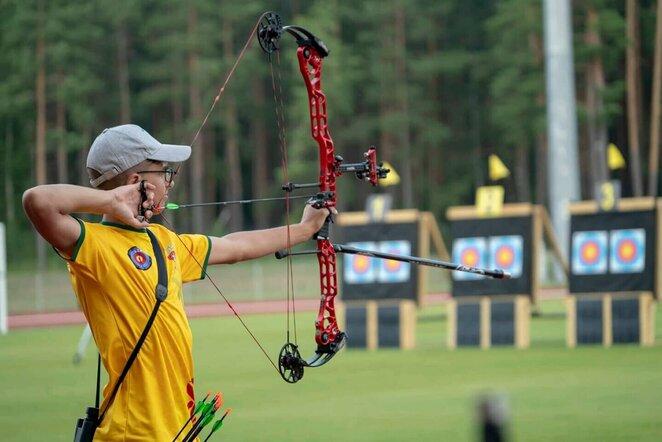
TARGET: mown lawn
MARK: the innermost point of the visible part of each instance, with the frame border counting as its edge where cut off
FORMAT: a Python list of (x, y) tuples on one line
[(428, 394)]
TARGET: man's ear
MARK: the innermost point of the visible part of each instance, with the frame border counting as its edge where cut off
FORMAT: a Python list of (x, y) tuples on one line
[(133, 178)]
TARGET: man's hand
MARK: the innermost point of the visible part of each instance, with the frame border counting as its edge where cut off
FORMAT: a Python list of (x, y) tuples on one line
[(314, 218), (125, 203)]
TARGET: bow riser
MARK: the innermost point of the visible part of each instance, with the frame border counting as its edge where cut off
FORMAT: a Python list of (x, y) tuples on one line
[(326, 325), (310, 66)]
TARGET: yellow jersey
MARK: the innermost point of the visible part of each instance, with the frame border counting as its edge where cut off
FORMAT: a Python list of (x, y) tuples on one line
[(114, 274)]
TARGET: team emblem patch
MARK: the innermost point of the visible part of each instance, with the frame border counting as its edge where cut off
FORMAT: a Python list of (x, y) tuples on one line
[(170, 251), (140, 259)]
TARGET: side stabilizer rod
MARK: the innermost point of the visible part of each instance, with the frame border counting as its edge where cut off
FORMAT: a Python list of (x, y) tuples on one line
[(339, 248)]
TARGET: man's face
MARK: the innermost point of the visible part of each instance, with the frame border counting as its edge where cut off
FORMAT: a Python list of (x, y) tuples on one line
[(162, 176)]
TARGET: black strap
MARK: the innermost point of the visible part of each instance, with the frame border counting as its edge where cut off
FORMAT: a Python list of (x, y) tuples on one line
[(161, 295), (96, 402)]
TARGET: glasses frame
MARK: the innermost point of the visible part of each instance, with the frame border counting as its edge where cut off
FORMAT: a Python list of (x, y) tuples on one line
[(169, 174)]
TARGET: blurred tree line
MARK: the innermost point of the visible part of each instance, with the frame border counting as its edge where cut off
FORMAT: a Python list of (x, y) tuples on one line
[(437, 86)]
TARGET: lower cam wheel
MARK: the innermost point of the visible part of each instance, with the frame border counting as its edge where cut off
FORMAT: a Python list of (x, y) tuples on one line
[(290, 364)]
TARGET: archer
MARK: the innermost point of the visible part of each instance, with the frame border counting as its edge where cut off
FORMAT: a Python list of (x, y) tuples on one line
[(114, 270)]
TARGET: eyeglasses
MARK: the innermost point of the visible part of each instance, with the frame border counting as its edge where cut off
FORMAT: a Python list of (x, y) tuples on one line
[(169, 173)]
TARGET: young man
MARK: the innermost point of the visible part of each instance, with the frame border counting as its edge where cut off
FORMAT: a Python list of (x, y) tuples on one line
[(114, 274)]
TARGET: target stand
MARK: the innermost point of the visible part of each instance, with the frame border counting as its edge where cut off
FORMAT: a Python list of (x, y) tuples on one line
[(488, 322), (618, 318), (614, 272), (486, 312), (379, 324), (380, 297), (399, 232)]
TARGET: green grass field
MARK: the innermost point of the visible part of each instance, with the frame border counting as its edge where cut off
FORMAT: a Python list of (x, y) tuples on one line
[(428, 394)]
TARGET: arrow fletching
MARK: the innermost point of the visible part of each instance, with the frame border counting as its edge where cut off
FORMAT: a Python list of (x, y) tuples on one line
[(218, 424)]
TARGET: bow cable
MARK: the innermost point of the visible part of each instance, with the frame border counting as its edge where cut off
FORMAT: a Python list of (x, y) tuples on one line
[(280, 119)]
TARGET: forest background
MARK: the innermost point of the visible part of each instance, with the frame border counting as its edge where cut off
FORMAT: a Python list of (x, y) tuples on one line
[(437, 86)]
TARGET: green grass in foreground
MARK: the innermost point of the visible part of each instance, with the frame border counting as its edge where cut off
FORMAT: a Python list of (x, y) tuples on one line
[(429, 394)]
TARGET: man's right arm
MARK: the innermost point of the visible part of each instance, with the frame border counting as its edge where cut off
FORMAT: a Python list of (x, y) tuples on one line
[(49, 208)]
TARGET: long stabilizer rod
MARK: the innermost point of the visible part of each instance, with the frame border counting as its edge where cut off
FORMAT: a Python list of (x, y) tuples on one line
[(339, 248)]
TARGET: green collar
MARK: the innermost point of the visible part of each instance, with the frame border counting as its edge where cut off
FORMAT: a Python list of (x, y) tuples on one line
[(124, 226)]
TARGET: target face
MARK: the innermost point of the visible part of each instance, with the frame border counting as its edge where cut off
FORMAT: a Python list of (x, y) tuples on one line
[(505, 253), (469, 252), (390, 270), (360, 269), (627, 251), (589, 252)]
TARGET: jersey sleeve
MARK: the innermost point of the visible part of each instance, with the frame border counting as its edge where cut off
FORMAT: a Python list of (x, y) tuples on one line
[(85, 258), (193, 252), (79, 243)]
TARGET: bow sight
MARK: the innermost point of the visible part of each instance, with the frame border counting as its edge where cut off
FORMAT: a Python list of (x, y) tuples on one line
[(367, 170)]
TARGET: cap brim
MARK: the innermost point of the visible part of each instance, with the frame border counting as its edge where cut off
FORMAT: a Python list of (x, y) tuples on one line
[(172, 153)]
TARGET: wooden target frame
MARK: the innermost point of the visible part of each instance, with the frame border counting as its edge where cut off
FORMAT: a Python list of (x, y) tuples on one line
[(541, 233), (497, 315), (428, 234), (597, 317)]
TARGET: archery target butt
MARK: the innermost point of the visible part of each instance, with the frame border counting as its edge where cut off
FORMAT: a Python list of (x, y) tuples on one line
[(374, 324), (610, 318), (489, 321)]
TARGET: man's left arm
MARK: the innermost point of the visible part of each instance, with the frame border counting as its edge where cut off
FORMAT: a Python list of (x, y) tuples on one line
[(242, 246)]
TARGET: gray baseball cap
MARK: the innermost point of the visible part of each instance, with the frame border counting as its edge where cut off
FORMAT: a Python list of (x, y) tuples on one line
[(119, 148)]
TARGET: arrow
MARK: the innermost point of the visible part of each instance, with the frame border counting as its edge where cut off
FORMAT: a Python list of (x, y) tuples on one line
[(339, 248), (175, 206), (198, 407), (204, 422), (206, 409), (218, 424)]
